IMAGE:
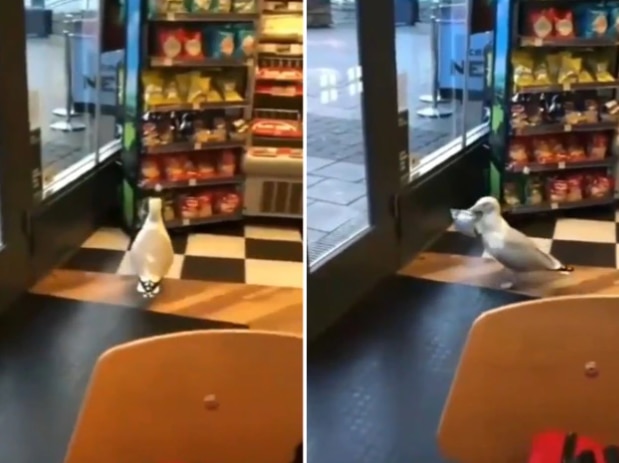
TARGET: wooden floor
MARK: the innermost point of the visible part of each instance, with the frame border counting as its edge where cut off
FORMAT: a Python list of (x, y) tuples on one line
[(482, 272), (260, 307)]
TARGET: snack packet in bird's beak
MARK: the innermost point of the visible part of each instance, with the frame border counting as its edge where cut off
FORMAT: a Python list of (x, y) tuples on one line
[(464, 221)]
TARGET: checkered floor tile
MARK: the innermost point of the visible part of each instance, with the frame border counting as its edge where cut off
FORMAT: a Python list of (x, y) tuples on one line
[(233, 253), (583, 238)]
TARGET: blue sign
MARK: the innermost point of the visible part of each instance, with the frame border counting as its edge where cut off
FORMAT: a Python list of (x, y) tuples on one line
[(84, 70), (452, 66)]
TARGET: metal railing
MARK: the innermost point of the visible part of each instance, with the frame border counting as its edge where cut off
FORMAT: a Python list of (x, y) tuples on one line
[(68, 113)]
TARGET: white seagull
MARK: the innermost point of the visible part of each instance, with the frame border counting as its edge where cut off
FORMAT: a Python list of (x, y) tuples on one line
[(511, 248)]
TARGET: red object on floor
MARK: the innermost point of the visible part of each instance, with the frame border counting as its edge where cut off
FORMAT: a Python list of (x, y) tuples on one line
[(547, 447)]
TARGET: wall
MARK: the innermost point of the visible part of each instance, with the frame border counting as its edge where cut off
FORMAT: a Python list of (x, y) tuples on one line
[(59, 227)]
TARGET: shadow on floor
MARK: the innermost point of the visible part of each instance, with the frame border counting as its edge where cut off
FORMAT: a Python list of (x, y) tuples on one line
[(377, 382), (48, 347)]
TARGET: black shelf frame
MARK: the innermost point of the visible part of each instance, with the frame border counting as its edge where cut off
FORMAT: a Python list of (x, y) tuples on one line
[(508, 38), (138, 25), (558, 128), (548, 207), (560, 166), (190, 147), (166, 185)]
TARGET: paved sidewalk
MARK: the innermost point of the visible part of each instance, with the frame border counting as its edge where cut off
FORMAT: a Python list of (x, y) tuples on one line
[(337, 196)]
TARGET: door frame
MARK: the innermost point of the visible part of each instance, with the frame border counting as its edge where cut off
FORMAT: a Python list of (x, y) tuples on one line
[(338, 283), (15, 146)]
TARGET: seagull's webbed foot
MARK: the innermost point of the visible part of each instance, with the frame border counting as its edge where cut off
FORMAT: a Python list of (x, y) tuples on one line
[(148, 289)]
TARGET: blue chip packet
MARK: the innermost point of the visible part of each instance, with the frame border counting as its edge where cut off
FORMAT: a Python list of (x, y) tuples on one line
[(245, 41), (221, 42), (594, 22), (613, 22)]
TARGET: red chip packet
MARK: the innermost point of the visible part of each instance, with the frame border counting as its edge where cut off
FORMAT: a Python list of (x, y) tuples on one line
[(548, 447)]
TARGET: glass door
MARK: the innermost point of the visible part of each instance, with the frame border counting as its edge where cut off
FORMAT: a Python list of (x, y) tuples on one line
[(15, 152), (353, 151)]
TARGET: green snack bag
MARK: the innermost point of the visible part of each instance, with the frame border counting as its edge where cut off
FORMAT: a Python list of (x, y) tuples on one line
[(221, 6), (244, 6), (200, 6)]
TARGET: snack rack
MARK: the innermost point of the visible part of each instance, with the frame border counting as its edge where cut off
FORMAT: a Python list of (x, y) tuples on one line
[(274, 161), (187, 93), (554, 111)]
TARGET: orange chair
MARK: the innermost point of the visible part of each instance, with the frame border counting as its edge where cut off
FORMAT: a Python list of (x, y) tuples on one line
[(548, 364), (194, 397)]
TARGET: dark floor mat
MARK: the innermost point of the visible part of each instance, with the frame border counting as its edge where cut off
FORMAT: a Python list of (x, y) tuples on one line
[(378, 380), (48, 347)]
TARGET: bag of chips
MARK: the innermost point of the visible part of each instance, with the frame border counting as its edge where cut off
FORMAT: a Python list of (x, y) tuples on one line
[(464, 221)]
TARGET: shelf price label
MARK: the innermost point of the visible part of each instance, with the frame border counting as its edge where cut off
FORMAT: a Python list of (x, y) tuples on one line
[(170, 17), (554, 206), (167, 62), (526, 170), (197, 146), (567, 86), (567, 128), (561, 165), (158, 187), (196, 106), (192, 182), (185, 222), (537, 42)]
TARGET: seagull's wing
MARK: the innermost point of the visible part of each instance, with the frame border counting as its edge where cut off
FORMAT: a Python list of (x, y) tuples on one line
[(521, 254)]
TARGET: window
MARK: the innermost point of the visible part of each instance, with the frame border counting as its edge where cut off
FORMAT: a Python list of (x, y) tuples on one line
[(442, 61), (73, 55)]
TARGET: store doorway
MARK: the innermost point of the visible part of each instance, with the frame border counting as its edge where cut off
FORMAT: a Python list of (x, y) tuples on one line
[(353, 160), (15, 149)]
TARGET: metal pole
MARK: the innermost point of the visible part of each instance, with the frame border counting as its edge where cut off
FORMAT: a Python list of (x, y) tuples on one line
[(98, 85), (62, 112), (467, 69), (68, 125), (434, 99)]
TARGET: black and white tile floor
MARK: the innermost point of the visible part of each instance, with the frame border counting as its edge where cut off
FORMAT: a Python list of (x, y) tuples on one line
[(232, 253), (584, 238)]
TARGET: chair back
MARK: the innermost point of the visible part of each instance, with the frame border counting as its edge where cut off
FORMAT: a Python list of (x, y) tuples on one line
[(223, 395), (548, 364)]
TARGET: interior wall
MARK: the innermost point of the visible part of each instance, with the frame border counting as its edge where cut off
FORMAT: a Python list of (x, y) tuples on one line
[(59, 227)]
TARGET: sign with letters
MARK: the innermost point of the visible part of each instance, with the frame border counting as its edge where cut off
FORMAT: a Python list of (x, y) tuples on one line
[(84, 71), (452, 65)]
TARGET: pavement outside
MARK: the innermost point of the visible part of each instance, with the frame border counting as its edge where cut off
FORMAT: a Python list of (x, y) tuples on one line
[(337, 194), (46, 75)]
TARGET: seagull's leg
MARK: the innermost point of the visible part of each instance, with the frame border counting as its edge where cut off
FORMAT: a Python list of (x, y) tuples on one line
[(508, 279)]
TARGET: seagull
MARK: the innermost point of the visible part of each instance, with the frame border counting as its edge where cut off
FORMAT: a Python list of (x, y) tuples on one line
[(511, 248), (152, 253)]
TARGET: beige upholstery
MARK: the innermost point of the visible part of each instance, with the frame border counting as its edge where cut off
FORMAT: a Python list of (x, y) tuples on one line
[(523, 371), (194, 397)]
